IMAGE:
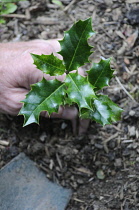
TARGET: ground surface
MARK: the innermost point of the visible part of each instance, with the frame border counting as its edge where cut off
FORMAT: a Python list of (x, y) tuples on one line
[(102, 167)]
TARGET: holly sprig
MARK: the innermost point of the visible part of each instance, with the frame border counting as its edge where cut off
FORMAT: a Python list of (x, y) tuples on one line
[(78, 90)]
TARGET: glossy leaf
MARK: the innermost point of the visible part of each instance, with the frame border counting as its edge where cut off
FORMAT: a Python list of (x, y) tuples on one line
[(76, 89), (74, 47), (44, 96), (49, 64), (105, 111), (7, 8), (100, 74), (79, 91)]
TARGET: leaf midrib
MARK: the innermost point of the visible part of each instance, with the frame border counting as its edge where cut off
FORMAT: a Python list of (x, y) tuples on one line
[(45, 99), (77, 48), (53, 65), (101, 73), (80, 93)]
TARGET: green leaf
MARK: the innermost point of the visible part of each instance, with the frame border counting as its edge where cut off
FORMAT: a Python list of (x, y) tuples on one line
[(2, 21), (105, 111), (49, 64), (74, 47), (8, 8), (57, 2), (79, 90), (44, 96), (76, 89), (100, 74)]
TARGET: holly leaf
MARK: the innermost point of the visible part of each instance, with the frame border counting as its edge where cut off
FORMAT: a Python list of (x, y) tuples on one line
[(44, 96), (49, 64), (76, 89), (100, 74), (79, 91), (105, 111), (74, 47)]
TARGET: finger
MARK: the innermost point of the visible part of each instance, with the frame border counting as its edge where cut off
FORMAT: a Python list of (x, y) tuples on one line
[(12, 104), (83, 126), (67, 113), (46, 46)]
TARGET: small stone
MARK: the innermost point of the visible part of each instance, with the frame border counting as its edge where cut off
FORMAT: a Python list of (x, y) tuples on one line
[(100, 174), (97, 163), (113, 172), (91, 8), (101, 198), (80, 181), (99, 146), (118, 162), (92, 196), (135, 145), (63, 126), (132, 130), (137, 159), (132, 113), (44, 35), (43, 137), (75, 151)]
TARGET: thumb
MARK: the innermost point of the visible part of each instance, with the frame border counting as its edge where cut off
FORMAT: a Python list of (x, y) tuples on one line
[(11, 103)]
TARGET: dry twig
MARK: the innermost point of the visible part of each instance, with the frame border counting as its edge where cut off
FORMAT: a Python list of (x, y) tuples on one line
[(69, 5), (125, 90)]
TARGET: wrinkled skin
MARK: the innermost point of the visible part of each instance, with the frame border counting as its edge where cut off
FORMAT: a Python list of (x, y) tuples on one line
[(17, 73)]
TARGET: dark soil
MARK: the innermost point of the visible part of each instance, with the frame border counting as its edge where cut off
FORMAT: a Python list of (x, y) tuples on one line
[(101, 167)]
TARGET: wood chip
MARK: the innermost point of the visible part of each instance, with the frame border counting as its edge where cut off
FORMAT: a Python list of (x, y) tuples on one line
[(69, 5), (132, 1), (2, 147), (45, 20), (131, 39), (126, 60), (84, 170), (120, 34), (59, 161), (127, 141), (4, 143), (78, 200)]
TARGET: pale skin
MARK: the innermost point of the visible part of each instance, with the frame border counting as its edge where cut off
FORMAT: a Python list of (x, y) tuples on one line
[(17, 73)]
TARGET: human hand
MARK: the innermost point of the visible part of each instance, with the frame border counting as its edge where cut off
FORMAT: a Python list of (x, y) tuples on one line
[(18, 73)]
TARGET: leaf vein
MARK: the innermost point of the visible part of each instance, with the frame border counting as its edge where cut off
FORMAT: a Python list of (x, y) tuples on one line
[(77, 47)]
